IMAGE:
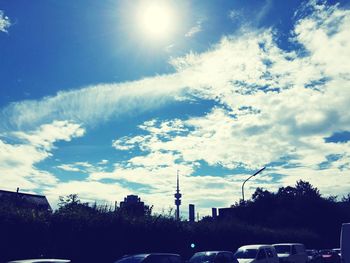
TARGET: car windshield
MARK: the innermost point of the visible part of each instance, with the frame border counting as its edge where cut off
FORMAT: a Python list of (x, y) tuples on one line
[(202, 257), (282, 249), (246, 253), (132, 259)]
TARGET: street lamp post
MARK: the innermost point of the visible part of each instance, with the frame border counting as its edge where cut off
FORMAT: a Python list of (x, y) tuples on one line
[(262, 169)]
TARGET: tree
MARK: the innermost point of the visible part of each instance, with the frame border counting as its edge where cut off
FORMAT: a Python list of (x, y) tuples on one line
[(305, 189), (346, 198), (261, 194), (68, 200)]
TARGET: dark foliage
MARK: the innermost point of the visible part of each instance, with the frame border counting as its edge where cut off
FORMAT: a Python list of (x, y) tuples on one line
[(298, 207), (94, 233)]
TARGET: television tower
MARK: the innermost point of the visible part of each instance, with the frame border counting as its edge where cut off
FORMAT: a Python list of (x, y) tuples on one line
[(177, 198)]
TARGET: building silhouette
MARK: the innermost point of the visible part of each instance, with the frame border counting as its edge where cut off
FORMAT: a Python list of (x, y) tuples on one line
[(191, 212), (132, 205), (214, 212), (25, 201)]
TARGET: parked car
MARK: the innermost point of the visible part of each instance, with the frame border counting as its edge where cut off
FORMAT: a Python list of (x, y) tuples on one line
[(213, 257), (329, 256), (41, 260), (256, 254), (345, 243), (337, 250), (151, 258), (312, 255), (291, 253)]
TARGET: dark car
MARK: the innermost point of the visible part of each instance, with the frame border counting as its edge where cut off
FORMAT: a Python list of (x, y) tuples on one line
[(151, 258), (329, 256), (338, 250), (312, 256), (213, 257)]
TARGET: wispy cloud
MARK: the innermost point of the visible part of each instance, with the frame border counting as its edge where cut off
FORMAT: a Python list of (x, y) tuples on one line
[(264, 10), (255, 16), (82, 167), (93, 105), (69, 168), (234, 14), (5, 22), (195, 29)]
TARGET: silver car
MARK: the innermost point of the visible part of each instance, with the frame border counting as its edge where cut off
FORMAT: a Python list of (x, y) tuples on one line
[(41, 260)]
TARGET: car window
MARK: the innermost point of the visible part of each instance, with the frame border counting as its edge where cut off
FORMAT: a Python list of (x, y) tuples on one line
[(301, 249), (269, 252), (261, 254), (228, 257), (282, 249), (220, 258), (157, 259), (294, 250), (246, 253), (202, 257), (132, 259), (175, 259)]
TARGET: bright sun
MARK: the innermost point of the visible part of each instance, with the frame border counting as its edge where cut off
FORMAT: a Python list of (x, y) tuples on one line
[(156, 19)]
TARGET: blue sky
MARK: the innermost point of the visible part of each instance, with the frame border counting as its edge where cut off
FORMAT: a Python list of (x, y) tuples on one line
[(109, 98)]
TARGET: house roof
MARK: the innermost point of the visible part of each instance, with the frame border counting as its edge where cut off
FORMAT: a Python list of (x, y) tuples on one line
[(37, 201)]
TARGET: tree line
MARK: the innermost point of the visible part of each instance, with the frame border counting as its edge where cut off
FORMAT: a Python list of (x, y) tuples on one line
[(92, 233)]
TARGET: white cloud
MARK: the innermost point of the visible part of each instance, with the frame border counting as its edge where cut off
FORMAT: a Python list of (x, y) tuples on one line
[(47, 134), (95, 104), (234, 14), (194, 30), (18, 160), (273, 105), (264, 10), (69, 168), (88, 191), (159, 185), (82, 167), (103, 162), (5, 22)]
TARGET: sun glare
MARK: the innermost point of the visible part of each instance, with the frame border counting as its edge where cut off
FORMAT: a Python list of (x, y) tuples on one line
[(156, 19)]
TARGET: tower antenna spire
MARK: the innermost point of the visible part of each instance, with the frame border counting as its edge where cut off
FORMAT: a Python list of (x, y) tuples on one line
[(177, 183)]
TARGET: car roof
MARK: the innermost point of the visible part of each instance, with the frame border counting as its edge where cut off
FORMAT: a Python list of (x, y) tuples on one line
[(288, 244), (53, 260), (214, 251), (153, 254), (255, 246)]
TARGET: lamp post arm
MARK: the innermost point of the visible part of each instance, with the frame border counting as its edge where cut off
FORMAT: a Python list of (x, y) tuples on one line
[(262, 169), (244, 184)]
